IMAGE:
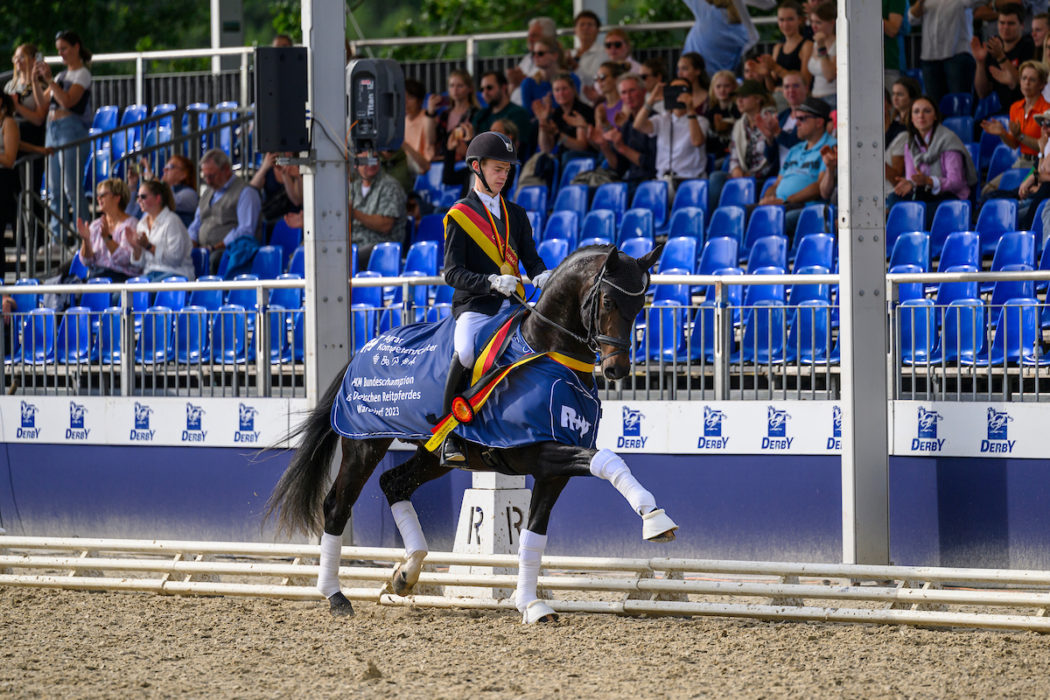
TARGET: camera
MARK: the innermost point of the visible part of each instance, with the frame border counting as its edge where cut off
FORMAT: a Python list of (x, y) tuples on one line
[(671, 93), (39, 57)]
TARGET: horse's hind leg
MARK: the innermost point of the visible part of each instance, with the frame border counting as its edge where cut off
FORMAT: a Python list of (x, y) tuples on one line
[(531, 543), (398, 485), (358, 461)]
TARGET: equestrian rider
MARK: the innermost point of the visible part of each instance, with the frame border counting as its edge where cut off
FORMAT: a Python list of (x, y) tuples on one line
[(485, 237)]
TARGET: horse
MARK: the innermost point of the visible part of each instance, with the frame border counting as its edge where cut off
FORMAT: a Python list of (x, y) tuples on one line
[(587, 310)]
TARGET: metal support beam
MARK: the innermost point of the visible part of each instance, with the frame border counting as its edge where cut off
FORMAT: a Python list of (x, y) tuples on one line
[(325, 227), (862, 246)]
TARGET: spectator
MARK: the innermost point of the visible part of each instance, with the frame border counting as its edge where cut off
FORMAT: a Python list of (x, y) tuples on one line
[(462, 108), (654, 71), (791, 54), (784, 129), (692, 69), (566, 125), (377, 210), (618, 49), (999, 58), (1036, 187), (105, 244), (904, 91), (9, 184), (588, 55), (495, 88), (822, 63), (723, 31), (680, 134), (631, 154), (550, 61), (282, 41), (539, 28), (937, 166), (416, 120), (30, 114), (464, 176), (798, 182), (893, 12), (750, 153), (896, 134), (227, 215), (178, 175), (721, 114), (607, 100), (1040, 29), (69, 98), (278, 196), (828, 184), (161, 245), (945, 58), (1023, 132)]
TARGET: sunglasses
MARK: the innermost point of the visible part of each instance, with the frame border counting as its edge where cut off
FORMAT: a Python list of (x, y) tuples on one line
[(614, 44), (601, 76), (142, 196), (645, 76), (540, 53)]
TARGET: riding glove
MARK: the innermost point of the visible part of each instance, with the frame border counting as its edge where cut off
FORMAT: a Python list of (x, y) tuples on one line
[(504, 284), (541, 279)]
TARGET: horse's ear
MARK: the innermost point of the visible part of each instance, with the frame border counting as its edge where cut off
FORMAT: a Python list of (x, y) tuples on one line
[(612, 260), (649, 259)]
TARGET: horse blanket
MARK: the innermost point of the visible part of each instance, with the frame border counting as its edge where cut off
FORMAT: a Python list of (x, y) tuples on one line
[(397, 379)]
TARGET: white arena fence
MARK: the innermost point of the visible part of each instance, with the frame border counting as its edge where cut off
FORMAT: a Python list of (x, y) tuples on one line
[(699, 338), (928, 596)]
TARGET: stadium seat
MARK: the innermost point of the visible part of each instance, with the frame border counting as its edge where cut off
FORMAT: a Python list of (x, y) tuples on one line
[(553, 251), (106, 118), (229, 335), (532, 197), (191, 335), (679, 253), (97, 167), (908, 290), (611, 196), (700, 343), (108, 349), (174, 299), (210, 299), (298, 348), (538, 221), (1012, 178), (572, 198), (691, 193), (687, 221), (1016, 339), (986, 107), (637, 223), (727, 222), (717, 254), (38, 340), (809, 342), (386, 259), (573, 168), (763, 340), (662, 333), (286, 238), (911, 249), (73, 342), (423, 256), (917, 329), (957, 104), (77, 268), (962, 333), (904, 217), (652, 195), (768, 251), (962, 126), (1037, 224), (766, 220), (677, 292), (1003, 158), (297, 265), (201, 259), (960, 248), (816, 249), (1014, 248), (951, 216), (813, 219), (562, 224), (289, 299), (807, 291), (737, 191), (225, 138), (247, 299), (1004, 290), (759, 292), (431, 228), (155, 343), (997, 216), (947, 292), (987, 143), (636, 247), (1044, 265), (600, 223), (767, 186), (278, 341), (418, 295), (98, 302), (732, 294), (27, 302)]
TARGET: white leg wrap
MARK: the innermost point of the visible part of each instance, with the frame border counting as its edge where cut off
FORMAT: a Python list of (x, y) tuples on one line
[(530, 551), (328, 572), (408, 525), (607, 465)]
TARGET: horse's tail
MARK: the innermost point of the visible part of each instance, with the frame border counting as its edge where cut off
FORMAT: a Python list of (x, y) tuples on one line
[(299, 493)]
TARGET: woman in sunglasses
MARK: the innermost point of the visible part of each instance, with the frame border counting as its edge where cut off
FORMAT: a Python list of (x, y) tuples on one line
[(161, 243), (607, 104), (549, 58), (105, 243), (618, 49)]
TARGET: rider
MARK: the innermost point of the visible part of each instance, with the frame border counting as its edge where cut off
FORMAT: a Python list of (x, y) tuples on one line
[(485, 236)]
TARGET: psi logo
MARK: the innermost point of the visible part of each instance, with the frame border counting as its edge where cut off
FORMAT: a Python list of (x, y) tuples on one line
[(28, 429), (776, 430), (712, 439), (998, 441), (927, 440), (246, 421), (76, 429), (142, 431), (632, 430), (835, 441), (194, 431)]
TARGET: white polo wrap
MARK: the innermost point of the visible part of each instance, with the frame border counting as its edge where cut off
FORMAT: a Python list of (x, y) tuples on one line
[(608, 465)]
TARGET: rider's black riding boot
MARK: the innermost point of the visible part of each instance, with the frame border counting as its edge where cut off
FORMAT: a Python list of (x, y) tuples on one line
[(452, 452)]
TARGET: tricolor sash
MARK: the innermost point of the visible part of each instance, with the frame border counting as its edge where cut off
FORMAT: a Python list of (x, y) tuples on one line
[(486, 236)]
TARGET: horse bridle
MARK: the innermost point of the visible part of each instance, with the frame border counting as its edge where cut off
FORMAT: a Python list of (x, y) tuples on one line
[(595, 340)]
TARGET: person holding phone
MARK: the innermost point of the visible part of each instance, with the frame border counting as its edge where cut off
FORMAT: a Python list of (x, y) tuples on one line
[(681, 134), (445, 115)]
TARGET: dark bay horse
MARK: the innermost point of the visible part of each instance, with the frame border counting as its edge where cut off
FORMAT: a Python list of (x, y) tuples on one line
[(588, 308)]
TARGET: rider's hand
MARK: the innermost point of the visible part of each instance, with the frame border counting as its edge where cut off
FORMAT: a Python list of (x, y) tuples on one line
[(504, 284), (541, 279)]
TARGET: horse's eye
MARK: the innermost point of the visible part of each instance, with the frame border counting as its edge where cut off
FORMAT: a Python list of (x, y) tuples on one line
[(607, 303)]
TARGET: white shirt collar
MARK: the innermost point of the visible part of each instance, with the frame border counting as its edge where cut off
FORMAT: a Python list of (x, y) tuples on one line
[(491, 203)]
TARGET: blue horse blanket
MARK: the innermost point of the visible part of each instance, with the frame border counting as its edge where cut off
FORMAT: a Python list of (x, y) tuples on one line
[(398, 378)]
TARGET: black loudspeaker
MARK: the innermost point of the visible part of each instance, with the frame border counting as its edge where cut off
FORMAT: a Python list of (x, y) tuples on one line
[(280, 99), (376, 114)]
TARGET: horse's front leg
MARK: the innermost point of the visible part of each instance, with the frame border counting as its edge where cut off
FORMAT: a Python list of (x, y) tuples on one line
[(656, 525), (358, 460), (531, 543)]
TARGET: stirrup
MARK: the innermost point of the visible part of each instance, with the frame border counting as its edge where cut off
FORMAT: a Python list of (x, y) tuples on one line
[(657, 526), (452, 453), (538, 611)]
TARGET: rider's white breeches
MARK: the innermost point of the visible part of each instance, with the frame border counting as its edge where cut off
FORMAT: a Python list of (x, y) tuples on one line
[(467, 326)]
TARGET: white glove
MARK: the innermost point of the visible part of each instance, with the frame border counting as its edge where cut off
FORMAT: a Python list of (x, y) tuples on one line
[(541, 279), (504, 284)]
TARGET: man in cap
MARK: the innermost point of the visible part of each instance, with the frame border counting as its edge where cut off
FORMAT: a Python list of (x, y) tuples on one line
[(800, 171), (485, 237)]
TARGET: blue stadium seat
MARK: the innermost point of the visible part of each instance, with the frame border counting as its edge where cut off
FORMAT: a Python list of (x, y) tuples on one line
[(386, 259), (201, 262), (573, 168), (419, 295), (962, 126), (1004, 290), (727, 222), (760, 292), (1014, 248), (370, 296), (986, 107), (687, 221), (553, 251), (430, 185), (997, 216), (812, 219), (717, 254), (803, 291), (908, 290), (174, 299), (600, 223), (278, 345), (700, 344), (425, 257), (737, 191), (956, 104), (1003, 158), (679, 253), (562, 224), (732, 294), (763, 341), (572, 198), (287, 239), (247, 299), (77, 268), (297, 265), (809, 342), (611, 196), (652, 195), (38, 340), (97, 167), (662, 333), (1044, 265), (636, 247), (1016, 339), (192, 325), (532, 197), (224, 138), (155, 344), (106, 118), (288, 299), (960, 248), (73, 342), (691, 193), (27, 302), (210, 299), (298, 348), (904, 217), (962, 333), (431, 228), (767, 186), (947, 292), (637, 223), (98, 302), (816, 249), (951, 216), (229, 335), (911, 249), (1012, 178), (917, 324), (538, 221), (768, 251), (108, 350), (766, 220), (987, 143)]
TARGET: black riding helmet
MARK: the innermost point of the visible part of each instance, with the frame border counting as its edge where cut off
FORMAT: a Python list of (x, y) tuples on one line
[(493, 145)]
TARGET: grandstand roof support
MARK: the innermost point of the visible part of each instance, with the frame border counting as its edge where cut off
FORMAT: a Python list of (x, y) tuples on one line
[(325, 215), (862, 293)]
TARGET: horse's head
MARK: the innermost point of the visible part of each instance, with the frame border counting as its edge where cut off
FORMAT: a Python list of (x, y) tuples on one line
[(611, 305)]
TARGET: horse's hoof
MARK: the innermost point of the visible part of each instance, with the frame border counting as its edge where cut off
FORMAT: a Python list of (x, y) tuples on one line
[(538, 611), (407, 574), (340, 606), (658, 527)]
